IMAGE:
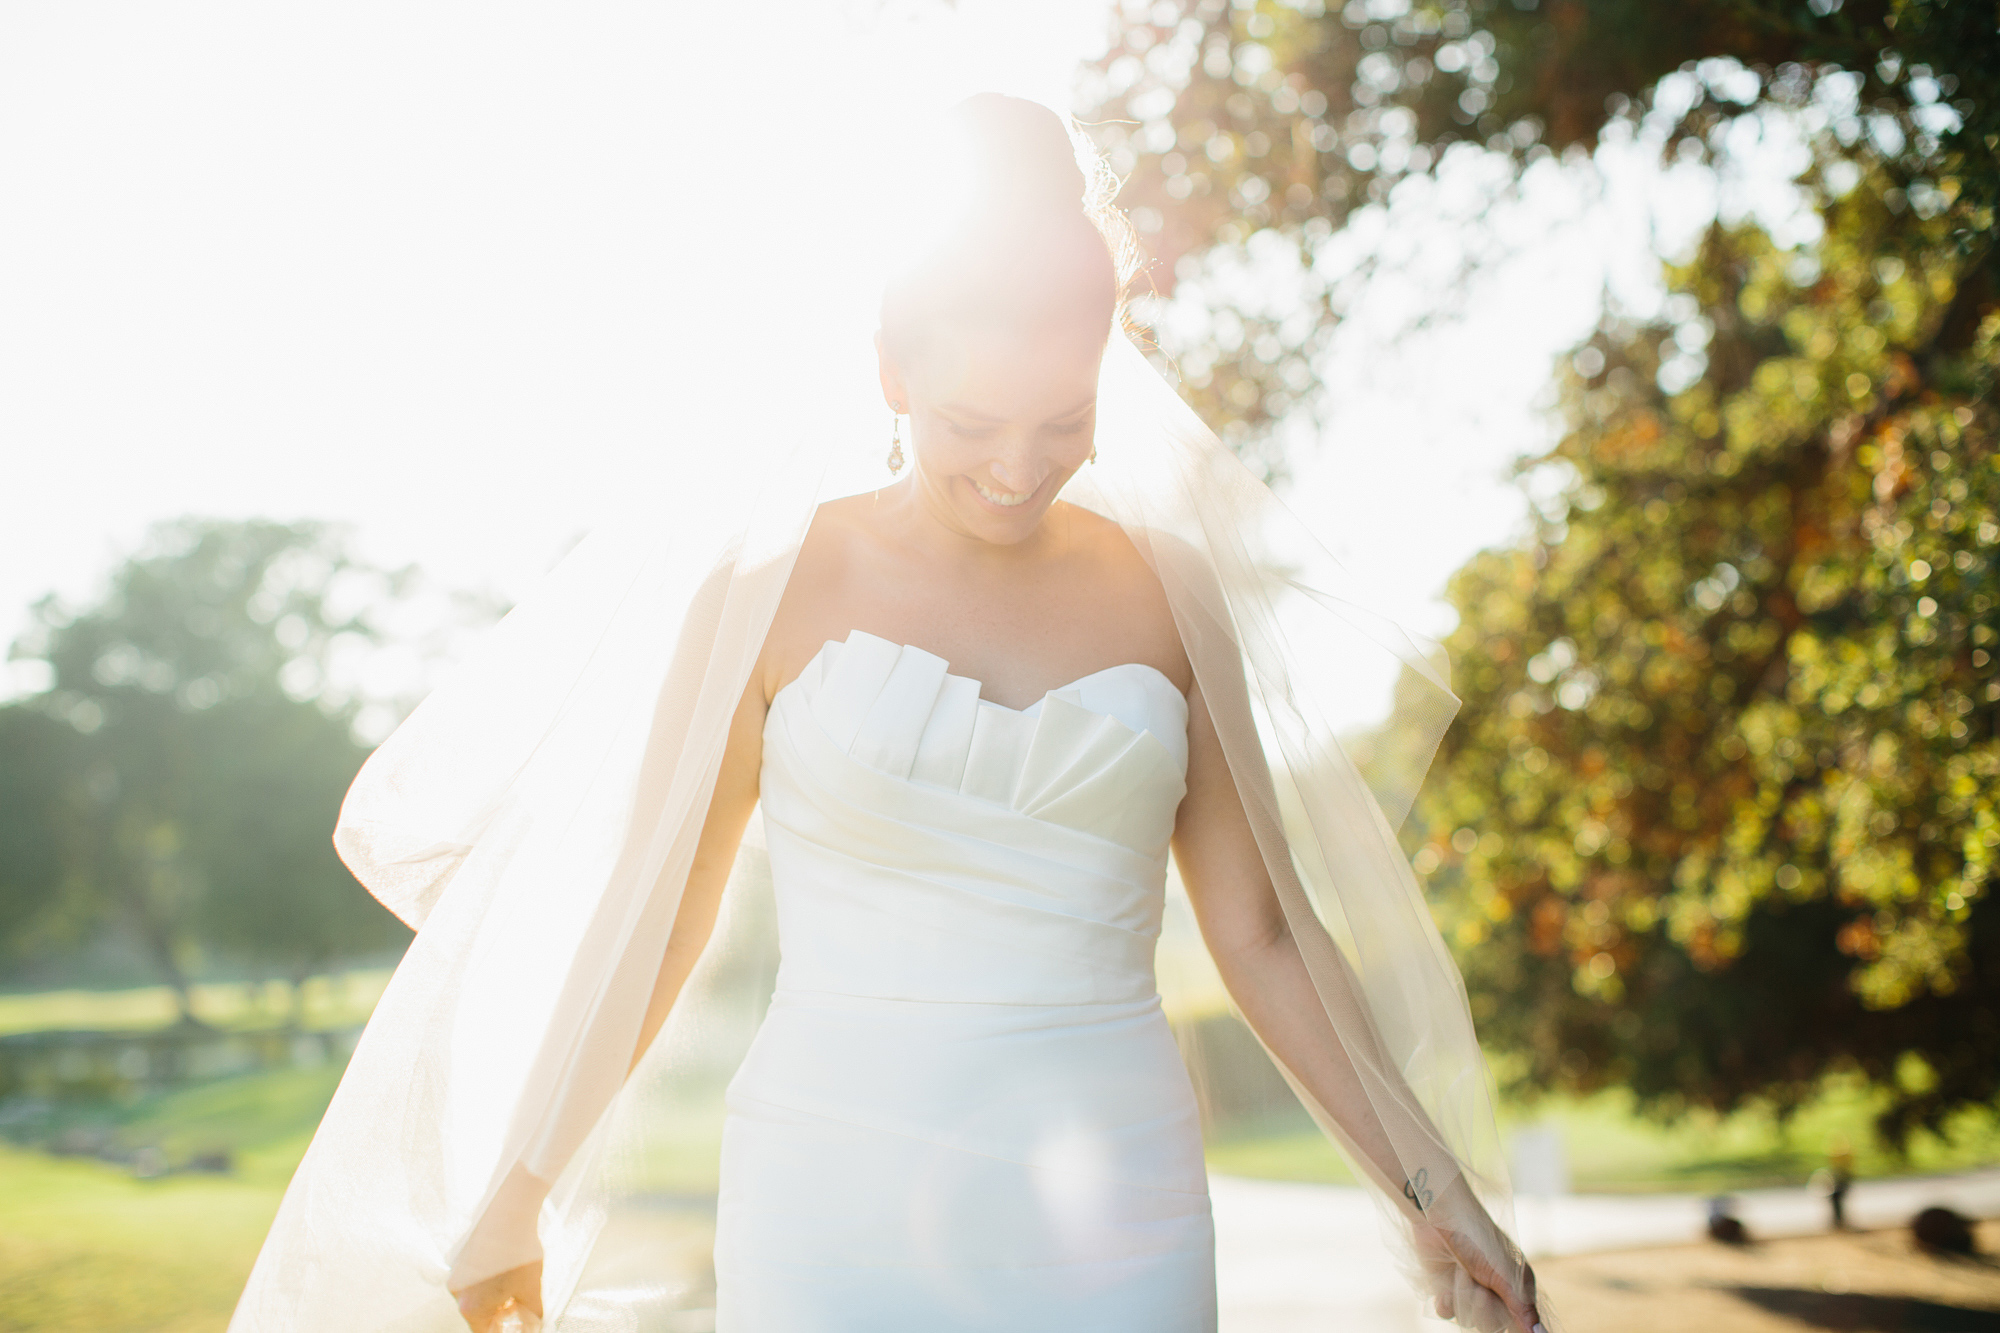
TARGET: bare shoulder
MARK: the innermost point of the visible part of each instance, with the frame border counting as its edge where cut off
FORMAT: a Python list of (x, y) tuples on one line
[(1191, 567), (824, 566), (1127, 596), (1104, 543), (844, 511)]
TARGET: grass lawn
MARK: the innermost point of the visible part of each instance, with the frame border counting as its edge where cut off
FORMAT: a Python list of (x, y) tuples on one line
[(1610, 1149), (263, 1121), (85, 1248)]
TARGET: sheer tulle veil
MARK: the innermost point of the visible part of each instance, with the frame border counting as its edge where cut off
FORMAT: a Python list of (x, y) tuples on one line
[(537, 815)]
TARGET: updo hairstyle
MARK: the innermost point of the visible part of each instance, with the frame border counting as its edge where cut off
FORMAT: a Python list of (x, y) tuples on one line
[(1032, 242)]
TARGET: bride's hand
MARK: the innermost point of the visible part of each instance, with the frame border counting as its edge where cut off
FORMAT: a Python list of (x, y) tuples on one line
[(1482, 1290), (484, 1302)]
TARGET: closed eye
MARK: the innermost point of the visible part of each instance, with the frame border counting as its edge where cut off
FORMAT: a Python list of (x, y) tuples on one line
[(965, 432)]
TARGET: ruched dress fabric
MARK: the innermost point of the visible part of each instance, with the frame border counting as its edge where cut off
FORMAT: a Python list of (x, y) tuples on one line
[(965, 1109)]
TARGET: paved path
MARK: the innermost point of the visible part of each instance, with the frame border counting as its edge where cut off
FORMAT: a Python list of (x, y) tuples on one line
[(1576, 1224), (1293, 1257)]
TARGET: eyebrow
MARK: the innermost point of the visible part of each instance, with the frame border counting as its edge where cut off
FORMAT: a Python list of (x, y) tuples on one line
[(961, 410)]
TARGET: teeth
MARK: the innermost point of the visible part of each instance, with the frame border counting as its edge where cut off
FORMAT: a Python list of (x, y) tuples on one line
[(1002, 497)]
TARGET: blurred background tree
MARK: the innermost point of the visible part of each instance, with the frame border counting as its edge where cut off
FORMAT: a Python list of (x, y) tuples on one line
[(1252, 131), (180, 774), (1721, 812), (42, 904)]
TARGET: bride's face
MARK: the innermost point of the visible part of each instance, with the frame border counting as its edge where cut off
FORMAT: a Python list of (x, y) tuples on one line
[(998, 423)]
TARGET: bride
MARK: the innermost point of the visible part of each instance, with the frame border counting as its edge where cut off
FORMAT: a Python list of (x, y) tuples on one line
[(977, 716)]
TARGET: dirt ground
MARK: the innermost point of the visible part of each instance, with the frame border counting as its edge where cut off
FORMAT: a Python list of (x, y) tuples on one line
[(1867, 1281)]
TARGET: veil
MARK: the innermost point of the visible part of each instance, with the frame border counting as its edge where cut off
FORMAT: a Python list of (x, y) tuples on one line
[(536, 817)]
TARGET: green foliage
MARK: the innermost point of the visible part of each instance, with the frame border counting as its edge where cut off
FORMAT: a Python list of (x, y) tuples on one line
[(182, 773), (1724, 812), (1281, 119), (273, 774), (40, 903), (1721, 814)]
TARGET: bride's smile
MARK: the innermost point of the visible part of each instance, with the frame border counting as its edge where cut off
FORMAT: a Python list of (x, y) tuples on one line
[(1000, 420), (1002, 499)]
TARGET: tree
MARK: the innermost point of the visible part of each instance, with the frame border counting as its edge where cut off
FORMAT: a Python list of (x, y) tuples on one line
[(190, 753), (1723, 812), (1718, 815), (1258, 125), (273, 772), (41, 788)]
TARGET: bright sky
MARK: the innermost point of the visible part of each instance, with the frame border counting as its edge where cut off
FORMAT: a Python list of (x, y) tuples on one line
[(410, 267), (1410, 478)]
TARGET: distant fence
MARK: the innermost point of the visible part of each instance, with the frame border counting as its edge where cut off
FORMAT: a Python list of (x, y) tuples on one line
[(74, 1064)]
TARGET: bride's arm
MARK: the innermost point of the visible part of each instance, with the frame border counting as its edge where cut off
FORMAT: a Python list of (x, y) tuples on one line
[(508, 1225), (721, 834), (1258, 955)]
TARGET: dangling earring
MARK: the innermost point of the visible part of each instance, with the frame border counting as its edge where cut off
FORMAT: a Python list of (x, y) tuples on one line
[(896, 439)]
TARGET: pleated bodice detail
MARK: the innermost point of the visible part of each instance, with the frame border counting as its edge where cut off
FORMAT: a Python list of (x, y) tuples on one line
[(1014, 856), (965, 1108)]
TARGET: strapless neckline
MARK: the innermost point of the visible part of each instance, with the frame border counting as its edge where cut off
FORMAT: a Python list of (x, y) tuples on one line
[(1105, 754), (1146, 669), (964, 1108)]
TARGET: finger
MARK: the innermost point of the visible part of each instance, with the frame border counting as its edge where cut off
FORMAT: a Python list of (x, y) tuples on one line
[(531, 1291), (1522, 1306), (1516, 1297), (1481, 1309), (1520, 1311)]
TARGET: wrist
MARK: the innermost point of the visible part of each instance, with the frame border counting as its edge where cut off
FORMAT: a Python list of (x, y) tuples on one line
[(506, 1236), (1419, 1192)]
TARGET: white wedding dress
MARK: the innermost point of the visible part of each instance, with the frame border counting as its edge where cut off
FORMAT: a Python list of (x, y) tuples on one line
[(965, 1109)]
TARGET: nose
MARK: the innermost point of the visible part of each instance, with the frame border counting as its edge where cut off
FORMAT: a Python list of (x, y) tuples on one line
[(1014, 474)]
